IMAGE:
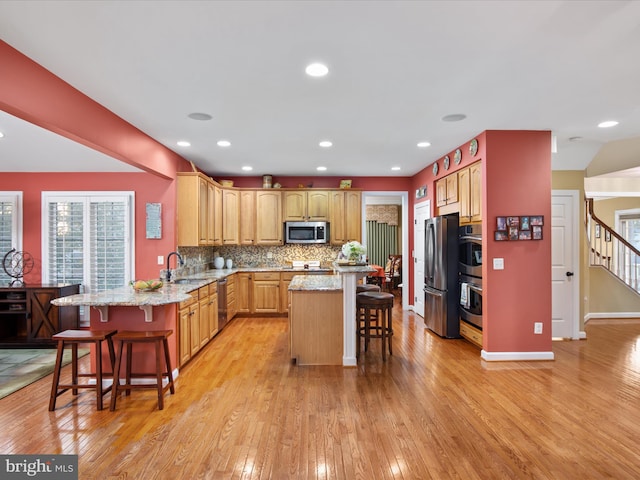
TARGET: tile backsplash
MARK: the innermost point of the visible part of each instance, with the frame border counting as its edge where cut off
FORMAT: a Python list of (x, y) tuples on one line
[(201, 258)]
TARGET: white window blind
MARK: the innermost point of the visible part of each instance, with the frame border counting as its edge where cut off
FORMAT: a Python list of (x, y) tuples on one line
[(10, 228), (89, 240)]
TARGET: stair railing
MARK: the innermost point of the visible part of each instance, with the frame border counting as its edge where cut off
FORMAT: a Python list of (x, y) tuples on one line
[(610, 250)]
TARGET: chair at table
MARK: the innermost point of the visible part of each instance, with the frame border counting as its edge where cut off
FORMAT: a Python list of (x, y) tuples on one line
[(393, 272)]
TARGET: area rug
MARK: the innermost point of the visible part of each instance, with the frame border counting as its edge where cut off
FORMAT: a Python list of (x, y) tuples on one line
[(21, 367)]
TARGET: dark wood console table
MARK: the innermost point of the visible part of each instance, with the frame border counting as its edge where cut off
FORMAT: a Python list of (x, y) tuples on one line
[(27, 317)]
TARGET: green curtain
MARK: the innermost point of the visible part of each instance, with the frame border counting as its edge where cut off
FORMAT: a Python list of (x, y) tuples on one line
[(382, 241)]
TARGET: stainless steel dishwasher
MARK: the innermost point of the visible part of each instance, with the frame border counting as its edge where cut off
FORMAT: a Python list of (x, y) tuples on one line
[(222, 303)]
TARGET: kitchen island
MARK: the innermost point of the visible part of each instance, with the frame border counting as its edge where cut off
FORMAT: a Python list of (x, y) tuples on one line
[(316, 304)]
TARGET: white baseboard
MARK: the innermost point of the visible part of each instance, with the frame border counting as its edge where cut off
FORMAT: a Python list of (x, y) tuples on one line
[(515, 356), (601, 315)]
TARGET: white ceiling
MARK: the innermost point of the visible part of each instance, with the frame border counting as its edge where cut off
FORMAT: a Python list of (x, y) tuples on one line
[(396, 68)]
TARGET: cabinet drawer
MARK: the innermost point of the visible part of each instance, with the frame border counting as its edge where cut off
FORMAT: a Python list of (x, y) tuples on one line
[(213, 288), (203, 292), (471, 333), (266, 276), (287, 276)]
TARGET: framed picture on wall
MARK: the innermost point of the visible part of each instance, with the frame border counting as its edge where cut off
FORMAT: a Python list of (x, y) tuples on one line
[(500, 236), (501, 223), (513, 233), (536, 232), (524, 223), (536, 220), (524, 235)]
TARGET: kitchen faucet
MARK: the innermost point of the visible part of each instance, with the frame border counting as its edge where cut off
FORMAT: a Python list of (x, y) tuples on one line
[(180, 263)]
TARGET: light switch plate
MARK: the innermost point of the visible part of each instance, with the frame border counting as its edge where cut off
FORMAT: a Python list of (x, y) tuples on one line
[(498, 263), (160, 260)]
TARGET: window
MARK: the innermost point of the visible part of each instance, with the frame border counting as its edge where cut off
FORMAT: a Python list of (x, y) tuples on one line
[(88, 239), (628, 226), (10, 227)]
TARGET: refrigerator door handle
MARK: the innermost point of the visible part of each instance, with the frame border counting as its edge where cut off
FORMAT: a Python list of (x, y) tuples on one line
[(433, 291)]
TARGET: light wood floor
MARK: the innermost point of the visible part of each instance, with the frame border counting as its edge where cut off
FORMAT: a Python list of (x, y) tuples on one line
[(433, 411)]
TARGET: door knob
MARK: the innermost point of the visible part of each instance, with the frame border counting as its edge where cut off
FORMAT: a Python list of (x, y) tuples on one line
[(569, 274)]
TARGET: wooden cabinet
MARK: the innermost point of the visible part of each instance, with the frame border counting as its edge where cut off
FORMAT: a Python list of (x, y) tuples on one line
[(471, 333), (203, 316), (266, 292), (232, 308), (248, 217), (230, 217), (268, 215), (215, 215), (285, 280), (470, 193), (306, 206), (243, 292), (193, 215), (447, 190), (213, 309), (345, 216), (316, 327), (27, 316), (189, 328)]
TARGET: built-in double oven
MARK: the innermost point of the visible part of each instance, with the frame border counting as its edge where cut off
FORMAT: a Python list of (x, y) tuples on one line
[(470, 273)]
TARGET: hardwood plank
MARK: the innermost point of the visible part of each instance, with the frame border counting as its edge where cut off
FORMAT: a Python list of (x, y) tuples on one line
[(434, 410)]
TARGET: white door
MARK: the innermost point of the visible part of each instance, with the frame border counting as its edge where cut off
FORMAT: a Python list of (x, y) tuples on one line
[(421, 212), (564, 264)]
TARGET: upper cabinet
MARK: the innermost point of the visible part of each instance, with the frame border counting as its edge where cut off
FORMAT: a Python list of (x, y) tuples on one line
[(230, 217), (306, 206), (248, 217), (194, 226), (345, 209), (461, 192), (268, 217)]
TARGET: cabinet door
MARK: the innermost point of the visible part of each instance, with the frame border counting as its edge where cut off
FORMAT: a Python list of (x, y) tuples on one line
[(188, 210), (353, 216), (185, 335), (194, 327), (476, 192), (43, 320), (248, 217), (318, 206), (266, 296), (217, 216), (268, 218), (203, 213), (230, 217), (452, 188), (337, 218), (213, 315), (464, 195), (205, 312), (243, 292), (441, 192), (295, 206)]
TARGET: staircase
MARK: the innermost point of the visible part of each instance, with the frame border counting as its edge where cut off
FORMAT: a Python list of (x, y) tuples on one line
[(609, 250)]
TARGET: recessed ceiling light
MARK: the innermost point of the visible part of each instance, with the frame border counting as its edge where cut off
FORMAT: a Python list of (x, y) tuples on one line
[(1, 134), (454, 117), (424, 144), (325, 143), (316, 70), (608, 123), (224, 143), (183, 143), (574, 139), (199, 116), (395, 168), (247, 168), (321, 169)]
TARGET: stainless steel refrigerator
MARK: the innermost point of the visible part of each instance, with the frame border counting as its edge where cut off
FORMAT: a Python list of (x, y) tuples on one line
[(441, 289)]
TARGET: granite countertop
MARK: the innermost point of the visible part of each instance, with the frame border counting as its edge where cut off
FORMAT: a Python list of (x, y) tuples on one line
[(316, 283), (179, 292)]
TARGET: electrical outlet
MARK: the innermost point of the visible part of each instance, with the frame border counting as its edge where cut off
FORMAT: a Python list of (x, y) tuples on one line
[(269, 254), (537, 328), (160, 260)]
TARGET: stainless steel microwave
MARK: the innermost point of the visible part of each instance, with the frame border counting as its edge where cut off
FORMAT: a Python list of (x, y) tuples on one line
[(306, 232)]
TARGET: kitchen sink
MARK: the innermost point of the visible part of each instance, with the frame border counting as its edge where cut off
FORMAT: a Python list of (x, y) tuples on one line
[(189, 280)]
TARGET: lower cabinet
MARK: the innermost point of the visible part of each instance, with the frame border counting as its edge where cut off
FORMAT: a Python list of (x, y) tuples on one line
[(197, 321), (266, 292)]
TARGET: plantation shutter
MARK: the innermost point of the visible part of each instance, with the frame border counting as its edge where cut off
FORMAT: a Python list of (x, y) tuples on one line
[(90, 242)]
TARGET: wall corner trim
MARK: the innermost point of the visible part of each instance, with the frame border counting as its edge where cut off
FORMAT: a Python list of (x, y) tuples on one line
[(515, 356)]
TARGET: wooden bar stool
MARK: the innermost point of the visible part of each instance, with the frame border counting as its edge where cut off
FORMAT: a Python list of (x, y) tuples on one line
[(73, 338), (129, 338), (375, 311)]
